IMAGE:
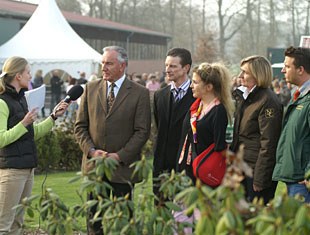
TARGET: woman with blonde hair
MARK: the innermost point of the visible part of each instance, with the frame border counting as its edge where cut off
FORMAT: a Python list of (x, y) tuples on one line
[(18, 156), (207, 119), (204, 126), (257, 126)]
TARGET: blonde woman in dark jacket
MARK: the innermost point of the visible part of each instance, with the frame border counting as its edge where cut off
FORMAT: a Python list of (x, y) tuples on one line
[(18, 156), (257, 126)]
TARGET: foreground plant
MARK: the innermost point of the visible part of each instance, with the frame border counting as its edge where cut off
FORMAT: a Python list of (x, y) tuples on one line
[(223, 210)]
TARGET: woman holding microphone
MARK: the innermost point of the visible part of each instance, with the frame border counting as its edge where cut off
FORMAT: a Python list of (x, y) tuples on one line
[(18, 132)]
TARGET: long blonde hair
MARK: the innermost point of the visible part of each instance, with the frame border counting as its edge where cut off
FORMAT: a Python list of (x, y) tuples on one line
[(11, 67), (218, 75)]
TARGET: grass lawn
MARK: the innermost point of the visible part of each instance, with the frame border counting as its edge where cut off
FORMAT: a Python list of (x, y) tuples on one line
[(59, 182)]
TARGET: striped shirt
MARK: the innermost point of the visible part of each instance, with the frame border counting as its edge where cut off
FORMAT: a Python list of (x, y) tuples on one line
[(179, 93)]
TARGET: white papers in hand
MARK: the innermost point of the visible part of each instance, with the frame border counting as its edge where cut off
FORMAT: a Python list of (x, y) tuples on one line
[(36, 97)]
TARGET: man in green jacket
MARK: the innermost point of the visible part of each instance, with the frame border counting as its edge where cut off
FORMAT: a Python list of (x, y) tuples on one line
[(293, 151)]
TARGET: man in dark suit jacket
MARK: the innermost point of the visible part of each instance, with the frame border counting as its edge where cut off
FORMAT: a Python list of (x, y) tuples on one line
[(119, 129), (171, 104)]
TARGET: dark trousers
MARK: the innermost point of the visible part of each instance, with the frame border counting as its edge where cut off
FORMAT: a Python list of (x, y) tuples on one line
[(119, 190), (55, 99), (267, 194)]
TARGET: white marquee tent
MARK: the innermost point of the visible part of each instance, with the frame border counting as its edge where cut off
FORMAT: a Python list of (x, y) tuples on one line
[(48, 42), (277, 65)]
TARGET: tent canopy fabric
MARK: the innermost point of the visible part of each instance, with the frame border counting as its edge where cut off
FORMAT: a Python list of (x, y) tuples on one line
[(277, 65), (48, 42)]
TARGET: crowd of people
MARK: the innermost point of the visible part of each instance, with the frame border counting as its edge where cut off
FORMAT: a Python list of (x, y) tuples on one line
[(191, 113)]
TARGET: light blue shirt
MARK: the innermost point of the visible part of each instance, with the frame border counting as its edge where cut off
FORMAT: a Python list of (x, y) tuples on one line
[(117, 86)]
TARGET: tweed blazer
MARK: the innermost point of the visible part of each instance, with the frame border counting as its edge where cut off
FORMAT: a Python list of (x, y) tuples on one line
[(124, 130)]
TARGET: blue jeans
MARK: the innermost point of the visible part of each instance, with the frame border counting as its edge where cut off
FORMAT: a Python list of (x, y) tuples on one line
[(301, 189)]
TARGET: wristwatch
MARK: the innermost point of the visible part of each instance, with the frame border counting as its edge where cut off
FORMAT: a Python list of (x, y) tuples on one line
[(53, 116)]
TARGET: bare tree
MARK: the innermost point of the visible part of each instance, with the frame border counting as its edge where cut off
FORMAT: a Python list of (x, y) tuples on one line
[(241, 27), (172, 14), (307, 31), (203, 16), (134, 12), (251, 23), (226, 30), (191, 26), (92, 7), (206, 48), (293, 21), (70, 5), (272, 23)]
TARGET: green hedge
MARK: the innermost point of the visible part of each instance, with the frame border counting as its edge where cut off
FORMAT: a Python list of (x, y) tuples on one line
[(59, 150)]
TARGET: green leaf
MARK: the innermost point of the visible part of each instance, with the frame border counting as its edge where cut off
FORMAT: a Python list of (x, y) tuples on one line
[(173, 206), (75, 179), (30, 212)]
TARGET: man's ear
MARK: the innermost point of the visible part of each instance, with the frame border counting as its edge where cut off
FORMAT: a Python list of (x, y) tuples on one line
[(187, 67), (123, 66), (301, 70)]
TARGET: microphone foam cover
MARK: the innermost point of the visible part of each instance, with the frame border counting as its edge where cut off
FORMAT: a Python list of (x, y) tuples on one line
[(75, 92)]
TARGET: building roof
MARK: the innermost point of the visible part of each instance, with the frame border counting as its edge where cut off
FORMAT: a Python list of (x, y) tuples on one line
[(24, 10)]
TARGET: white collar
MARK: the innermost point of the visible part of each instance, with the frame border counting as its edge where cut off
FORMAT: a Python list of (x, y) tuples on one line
[(118, 82)]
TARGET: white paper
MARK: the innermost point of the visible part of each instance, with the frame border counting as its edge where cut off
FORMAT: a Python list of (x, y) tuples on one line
[(36, 97)]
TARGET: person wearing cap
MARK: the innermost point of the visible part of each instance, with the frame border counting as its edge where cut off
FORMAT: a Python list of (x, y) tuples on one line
[(293, 151), (18, 156)]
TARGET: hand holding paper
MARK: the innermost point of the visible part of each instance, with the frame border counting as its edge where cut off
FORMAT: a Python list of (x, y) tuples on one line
[(36, 97)]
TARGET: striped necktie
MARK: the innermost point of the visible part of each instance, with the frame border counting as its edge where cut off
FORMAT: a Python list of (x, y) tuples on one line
[(177, 94)]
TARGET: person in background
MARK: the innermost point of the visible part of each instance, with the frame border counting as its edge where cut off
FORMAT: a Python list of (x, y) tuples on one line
[(56, 84), (18, 156), (37, 82), (137, 78), (235, 82), (164, 83), (257, 126), (171, 104), (93, 77), (293, 151), (152, 84), (82, 79), (114, 118), (285, 93), (207, 119), (70, 114), (281, 91), (144, 78)]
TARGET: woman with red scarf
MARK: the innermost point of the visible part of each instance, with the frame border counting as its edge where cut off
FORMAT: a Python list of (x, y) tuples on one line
[(207, 119)]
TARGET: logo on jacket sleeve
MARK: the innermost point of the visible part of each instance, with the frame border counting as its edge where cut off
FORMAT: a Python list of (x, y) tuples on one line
[(269, 113)]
